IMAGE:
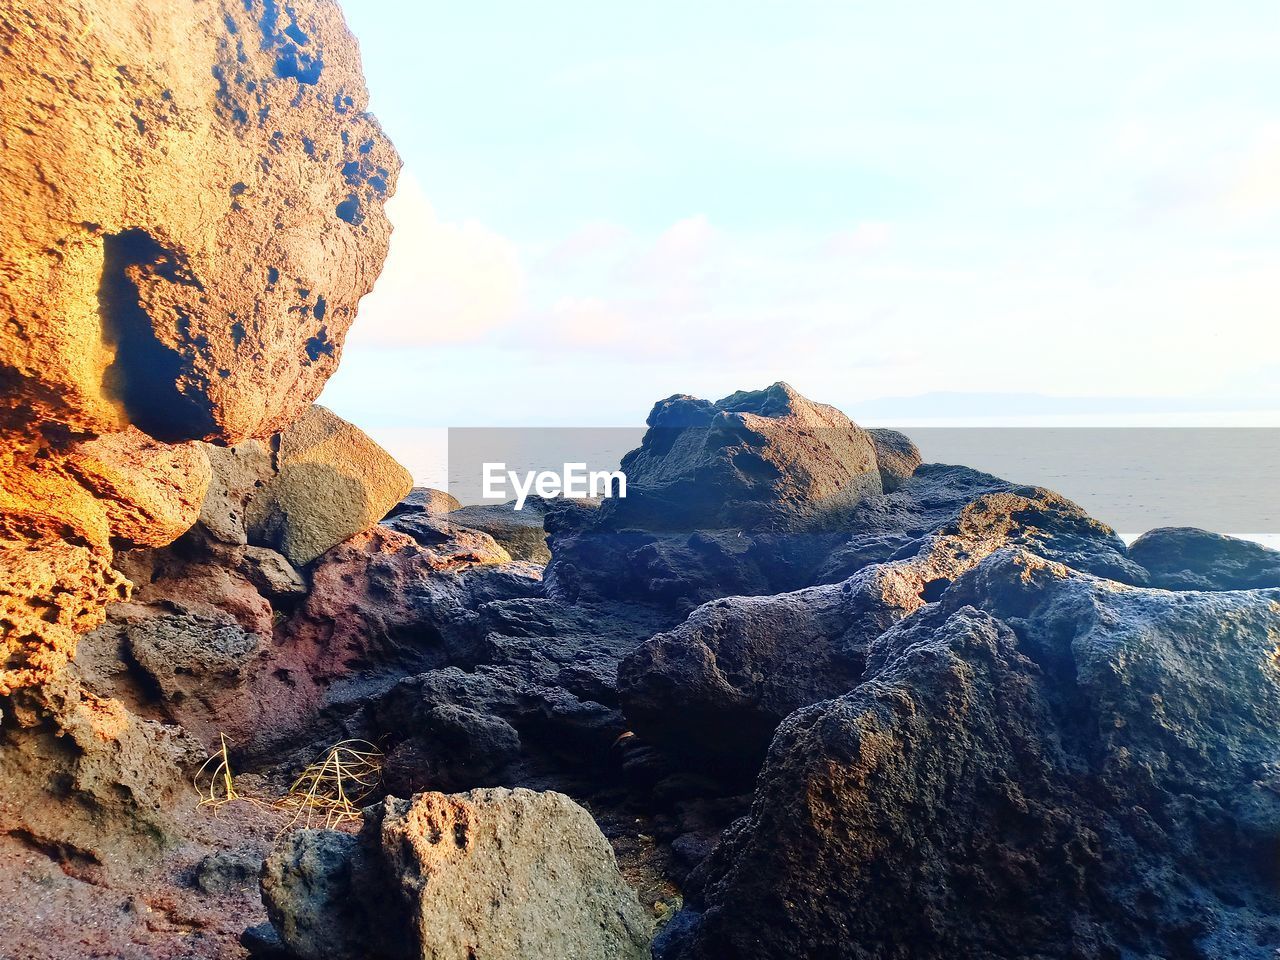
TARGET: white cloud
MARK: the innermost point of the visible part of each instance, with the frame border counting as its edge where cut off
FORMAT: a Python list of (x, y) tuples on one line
[(442, 282)]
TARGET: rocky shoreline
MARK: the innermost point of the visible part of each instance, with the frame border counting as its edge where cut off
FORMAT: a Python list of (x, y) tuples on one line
[(797, 695)]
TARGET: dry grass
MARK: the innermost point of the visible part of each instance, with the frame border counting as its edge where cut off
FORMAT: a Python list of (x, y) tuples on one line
[(219, 788), (330, 791)]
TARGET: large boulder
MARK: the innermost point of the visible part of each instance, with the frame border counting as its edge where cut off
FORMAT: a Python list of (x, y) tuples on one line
[(194, 208), (521, 532), (759, 459), (331, 482), (747, 495), (1184, 558), (1041, 764), (719, 683), (490, 873)]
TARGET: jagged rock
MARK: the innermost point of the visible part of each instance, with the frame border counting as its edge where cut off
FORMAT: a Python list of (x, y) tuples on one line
[(195, 208), (521, 531), (331, 483), (545, 668), (745, 496), (151, 491), (1184, 558), (720, 683), (449, 542), (271, 573), (426, 500), (489, 873), (238, 473), (311, 897), (84, 776), (896, 456), (186, 655), (1041, 764), (955, 516), (756, 460), (452, 747)]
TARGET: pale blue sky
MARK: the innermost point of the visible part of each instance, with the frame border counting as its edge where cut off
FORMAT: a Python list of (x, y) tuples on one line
[(604, 204)]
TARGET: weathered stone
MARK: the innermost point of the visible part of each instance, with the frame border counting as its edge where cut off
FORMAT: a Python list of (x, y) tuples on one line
[(489, 873), (521, 532), (896, 456), (238, 473), (756, 460), (1184, 558), (1080, 769), (449, 543), (425, 500), (331, 483), (194, 209), (311, 898), (272, 574)]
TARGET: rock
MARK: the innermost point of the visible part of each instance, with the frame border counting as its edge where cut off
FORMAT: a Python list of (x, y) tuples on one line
[(331, 483), (745, 496), (1041, 758), (896, 456), (955, 516), (271, 573), (521, 532), (83, 776), (238, 473), (195, 206), (151, 491), (212, 590), (187, 655), (1184, 558), (196, 209), (311, 898), (228, 870), (756, 460), (718, 684), (449, 543), (425, 500), (453, 747), (489, 873)]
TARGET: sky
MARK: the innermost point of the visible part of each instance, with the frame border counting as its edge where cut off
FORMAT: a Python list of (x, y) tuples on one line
[(912, 211)]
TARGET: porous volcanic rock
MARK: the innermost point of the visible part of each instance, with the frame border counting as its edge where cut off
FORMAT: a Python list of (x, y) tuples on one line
[(448, 541), (720, 682), (1184, 558), (489, 873), (757, 460), (331, 482), (1041, 764), (195, 209), (426, 500), (521, 531), (896, 455), (748, 495)]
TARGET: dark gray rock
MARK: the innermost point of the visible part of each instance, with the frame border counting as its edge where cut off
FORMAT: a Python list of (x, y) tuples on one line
[(521, 531), (896, 456), (227, 871), (1078, 769), (425, 500), (489, 873), (1184, 558)]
